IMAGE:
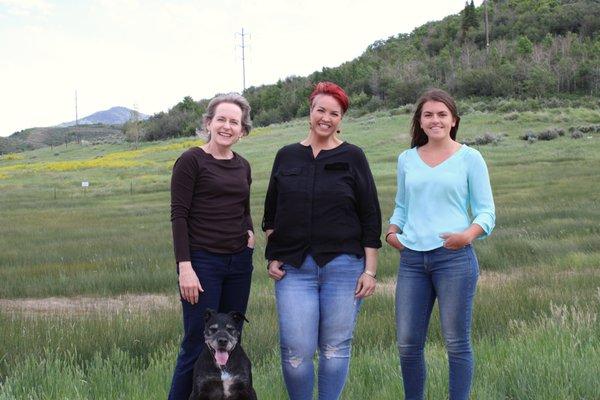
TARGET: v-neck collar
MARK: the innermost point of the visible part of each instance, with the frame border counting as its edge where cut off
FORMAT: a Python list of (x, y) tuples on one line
[(460, 149)]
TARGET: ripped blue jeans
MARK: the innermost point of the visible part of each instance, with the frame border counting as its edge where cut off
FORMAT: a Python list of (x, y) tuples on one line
[(317, 309)]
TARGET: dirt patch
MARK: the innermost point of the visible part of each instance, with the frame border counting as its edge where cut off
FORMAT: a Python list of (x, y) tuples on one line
[(495, 279), (84, 305)]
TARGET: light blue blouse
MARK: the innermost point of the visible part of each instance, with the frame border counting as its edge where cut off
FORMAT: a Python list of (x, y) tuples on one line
[(442, 199)]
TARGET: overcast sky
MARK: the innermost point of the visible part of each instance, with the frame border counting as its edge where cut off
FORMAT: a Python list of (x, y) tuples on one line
[(152, 53)]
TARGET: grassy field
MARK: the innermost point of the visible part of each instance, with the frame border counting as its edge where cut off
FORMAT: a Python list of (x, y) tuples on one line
[(88, 298)]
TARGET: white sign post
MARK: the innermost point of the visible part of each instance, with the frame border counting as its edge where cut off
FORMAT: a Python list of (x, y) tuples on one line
[(85, 185)]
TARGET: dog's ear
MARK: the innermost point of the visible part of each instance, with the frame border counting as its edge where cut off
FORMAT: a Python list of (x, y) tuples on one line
[(238, 316), (208, 314)]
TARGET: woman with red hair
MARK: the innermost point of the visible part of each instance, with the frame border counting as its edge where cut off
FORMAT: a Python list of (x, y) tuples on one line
[(323, 224)]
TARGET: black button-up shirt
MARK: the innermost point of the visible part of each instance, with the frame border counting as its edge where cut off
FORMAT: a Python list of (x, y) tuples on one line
[(323, 206)]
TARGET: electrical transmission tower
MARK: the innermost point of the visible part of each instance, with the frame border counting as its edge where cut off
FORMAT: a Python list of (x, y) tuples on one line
[(243, 46)]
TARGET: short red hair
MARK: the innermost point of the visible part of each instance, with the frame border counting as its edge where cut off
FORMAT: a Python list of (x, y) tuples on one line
[(333, 90)]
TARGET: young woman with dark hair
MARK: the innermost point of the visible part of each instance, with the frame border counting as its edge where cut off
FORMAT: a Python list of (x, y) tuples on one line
[(443, 202)]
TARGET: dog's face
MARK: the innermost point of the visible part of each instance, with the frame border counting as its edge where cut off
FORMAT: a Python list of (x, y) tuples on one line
[(221, 333)]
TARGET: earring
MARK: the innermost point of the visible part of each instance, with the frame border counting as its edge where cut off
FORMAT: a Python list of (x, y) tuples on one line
[(339, 131)]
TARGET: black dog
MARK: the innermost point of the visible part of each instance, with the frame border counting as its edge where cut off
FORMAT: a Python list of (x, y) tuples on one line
[(222, 371)]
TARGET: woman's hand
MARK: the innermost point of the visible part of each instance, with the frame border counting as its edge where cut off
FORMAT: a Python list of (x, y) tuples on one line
[(365, 286), (393, 241), (366, 281), (189, 284), (275, 271), (251, 239), (456, 240)]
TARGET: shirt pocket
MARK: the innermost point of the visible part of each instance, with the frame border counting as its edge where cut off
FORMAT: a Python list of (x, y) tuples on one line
[(291, 180), (337, 178)]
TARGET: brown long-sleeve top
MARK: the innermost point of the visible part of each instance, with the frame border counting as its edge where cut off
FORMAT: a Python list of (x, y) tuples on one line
[(210, 203)]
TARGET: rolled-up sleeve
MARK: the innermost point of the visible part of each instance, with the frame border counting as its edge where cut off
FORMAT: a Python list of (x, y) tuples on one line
[(398, 217), (481, 200), (183, 180), (369, 211)]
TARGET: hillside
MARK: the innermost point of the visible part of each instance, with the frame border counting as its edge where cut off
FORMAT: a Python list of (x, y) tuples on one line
[(35, 138), (545, 49), (101, 126)]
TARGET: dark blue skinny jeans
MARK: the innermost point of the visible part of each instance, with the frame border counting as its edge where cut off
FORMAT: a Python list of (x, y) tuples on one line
[(451, 277), (225, 279)]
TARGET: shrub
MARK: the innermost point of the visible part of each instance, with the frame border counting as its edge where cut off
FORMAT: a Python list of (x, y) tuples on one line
[(585, 129), (589, 128), (405, 109), (528, 136), (487, 138), (548, 135), (577, 135)]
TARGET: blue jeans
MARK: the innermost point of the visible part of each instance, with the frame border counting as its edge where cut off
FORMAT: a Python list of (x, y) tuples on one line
[(451, 277), (225, 279), (317, 308)]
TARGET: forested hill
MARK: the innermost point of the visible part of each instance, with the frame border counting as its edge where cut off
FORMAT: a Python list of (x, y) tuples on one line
[(537, 48)]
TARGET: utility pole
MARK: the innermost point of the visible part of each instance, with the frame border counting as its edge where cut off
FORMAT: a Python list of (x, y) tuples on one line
[(76, 115), (243, 46), (76, 122), (136, 125), (487, 27)]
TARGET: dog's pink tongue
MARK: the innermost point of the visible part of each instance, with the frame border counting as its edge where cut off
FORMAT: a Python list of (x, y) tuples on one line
[(221, 357)]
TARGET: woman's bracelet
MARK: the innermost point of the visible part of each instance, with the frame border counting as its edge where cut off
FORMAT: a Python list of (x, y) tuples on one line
[(370, 273), (388, 234)]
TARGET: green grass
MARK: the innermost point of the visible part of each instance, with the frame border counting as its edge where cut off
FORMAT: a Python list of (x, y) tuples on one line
[(536, 331)]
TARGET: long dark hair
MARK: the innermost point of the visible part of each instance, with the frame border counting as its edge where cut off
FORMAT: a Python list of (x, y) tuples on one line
[(419, 137)]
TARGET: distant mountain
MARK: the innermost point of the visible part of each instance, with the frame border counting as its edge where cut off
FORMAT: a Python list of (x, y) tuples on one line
[(112, 116), (102, 126), (34, 138)]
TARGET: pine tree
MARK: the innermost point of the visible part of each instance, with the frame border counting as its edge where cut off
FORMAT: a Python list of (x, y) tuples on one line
[(469, 18), (473, 20)]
